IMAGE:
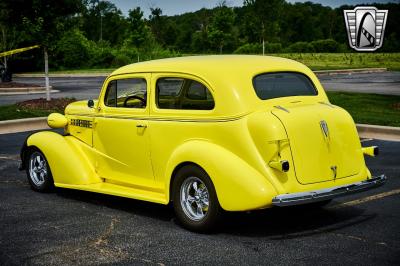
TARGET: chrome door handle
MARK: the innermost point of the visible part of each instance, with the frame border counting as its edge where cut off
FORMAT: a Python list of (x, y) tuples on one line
[(141, 126)]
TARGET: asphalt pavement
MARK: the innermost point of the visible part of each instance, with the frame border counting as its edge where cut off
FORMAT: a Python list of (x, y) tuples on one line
[(83, 88), (380, 83), (82, 228)]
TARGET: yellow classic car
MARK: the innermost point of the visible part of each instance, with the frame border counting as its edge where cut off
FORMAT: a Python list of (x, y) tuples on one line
[(207, 134)]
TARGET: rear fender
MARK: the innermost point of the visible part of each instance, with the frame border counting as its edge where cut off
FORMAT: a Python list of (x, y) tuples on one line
[(238, 185), (67, 161)]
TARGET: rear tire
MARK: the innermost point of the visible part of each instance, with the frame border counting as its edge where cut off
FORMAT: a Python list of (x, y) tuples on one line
[(38, 172), (195, 200)]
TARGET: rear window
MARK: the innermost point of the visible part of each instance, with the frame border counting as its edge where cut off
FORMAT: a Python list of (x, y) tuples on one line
[(283, 84)]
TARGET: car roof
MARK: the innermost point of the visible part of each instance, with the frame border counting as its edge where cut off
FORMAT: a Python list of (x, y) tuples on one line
[(213, 64)]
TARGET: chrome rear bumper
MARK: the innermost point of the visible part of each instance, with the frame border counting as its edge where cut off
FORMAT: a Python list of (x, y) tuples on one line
[(328, 193)]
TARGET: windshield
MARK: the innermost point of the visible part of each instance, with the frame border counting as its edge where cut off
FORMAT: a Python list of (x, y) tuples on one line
[(282, 84)]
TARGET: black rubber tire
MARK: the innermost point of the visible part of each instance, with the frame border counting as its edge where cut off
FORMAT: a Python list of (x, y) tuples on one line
[(48, 184), (214, 212)]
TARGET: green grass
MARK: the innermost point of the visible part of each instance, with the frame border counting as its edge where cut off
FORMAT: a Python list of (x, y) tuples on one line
[(34, 108), (8, 112), (371, 109), (334, 61), (364, 108)]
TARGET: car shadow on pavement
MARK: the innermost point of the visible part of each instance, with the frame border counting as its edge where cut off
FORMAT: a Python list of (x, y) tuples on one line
[(292, 222), (275, 223), (137, 207)]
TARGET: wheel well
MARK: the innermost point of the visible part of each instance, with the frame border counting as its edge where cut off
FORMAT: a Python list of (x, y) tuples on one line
[(25, 151), (177, 168)]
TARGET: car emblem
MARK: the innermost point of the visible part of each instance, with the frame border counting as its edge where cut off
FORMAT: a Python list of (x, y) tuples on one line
[(365, 27), (325, 129)]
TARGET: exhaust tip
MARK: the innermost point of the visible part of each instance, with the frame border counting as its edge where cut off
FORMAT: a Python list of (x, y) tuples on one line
[(282, 166), (371, 151), (376, 151), (285, 166)]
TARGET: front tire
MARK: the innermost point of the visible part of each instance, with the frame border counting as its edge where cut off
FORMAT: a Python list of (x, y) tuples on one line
[(195, 200), (38, 172)]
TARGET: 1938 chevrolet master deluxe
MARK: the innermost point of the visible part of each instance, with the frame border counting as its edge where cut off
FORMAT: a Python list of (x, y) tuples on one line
[(207, 133)]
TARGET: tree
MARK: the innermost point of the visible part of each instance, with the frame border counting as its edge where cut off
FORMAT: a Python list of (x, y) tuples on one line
[(138, 33), (8, 33), (72, 49), (265, 14), (200, 42), (220, 29), (102, 20), (42, 22), (156, 22)]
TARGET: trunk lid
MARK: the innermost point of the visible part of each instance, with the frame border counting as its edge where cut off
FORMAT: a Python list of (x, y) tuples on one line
[(323, 140)]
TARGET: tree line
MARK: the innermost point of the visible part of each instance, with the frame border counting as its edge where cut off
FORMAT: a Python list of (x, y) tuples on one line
[(95, 33)]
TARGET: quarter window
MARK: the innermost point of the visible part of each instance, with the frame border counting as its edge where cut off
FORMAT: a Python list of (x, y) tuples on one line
[(128, 93), (185, 94), (284, 84)]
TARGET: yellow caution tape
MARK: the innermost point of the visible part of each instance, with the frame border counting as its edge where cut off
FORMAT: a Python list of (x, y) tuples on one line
[(20, 50)]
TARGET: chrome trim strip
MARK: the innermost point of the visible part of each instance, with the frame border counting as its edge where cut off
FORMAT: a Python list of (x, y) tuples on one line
[(281, 108), (164, 119), (328, 193), (327, 104)]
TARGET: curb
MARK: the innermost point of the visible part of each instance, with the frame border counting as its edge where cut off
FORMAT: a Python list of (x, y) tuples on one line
[(379, 132), (24, 89), (22, 125), (37, 123), (27, 92), (350, 71), (318, 72)]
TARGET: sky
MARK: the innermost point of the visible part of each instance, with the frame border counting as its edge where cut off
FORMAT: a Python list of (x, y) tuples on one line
[(175, 7)]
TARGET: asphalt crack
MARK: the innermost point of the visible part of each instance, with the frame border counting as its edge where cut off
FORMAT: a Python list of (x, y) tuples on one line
[(91, 252), (103, 239), (363, 240)]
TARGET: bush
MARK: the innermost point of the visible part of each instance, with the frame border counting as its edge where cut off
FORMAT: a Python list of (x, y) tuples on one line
[(273, 48), (72, 50), (121, 59), (249, 48), (300, 47), (101, 54), (256, 48), (326, 46)]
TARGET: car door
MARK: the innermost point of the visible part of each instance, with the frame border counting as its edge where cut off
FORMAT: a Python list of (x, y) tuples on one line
[(121, 135)]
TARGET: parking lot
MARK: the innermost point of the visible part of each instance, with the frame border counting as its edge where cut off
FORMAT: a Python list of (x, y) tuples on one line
[(75, 227)]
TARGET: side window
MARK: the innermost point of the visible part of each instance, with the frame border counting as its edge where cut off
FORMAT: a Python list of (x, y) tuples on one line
[(184, 94), (111, 94), (127, 93), (168, 91)]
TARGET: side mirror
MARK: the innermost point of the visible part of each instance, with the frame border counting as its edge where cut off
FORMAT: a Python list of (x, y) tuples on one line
[(90, 103)]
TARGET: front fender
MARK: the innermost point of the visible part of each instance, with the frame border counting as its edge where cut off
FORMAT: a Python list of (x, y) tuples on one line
[(67, 161), (239, 186)]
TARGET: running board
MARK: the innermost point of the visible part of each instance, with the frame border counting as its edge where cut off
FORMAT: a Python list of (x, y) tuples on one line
[(121, 191)]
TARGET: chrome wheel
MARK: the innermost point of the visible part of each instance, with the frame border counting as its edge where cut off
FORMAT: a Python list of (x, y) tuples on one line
[(37, 169), (194, 198)]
